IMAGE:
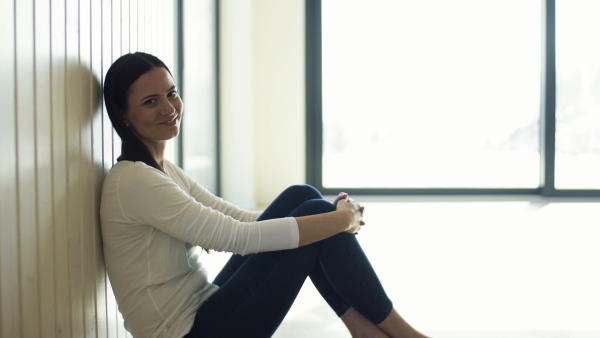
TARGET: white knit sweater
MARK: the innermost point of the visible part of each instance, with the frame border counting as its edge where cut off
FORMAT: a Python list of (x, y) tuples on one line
[(151, 224)]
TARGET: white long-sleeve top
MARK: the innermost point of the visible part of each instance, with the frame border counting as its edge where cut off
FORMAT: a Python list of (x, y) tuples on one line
[(151, 224)]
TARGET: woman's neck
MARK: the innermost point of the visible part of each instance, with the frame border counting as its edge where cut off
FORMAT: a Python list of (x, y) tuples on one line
[(157, 150)]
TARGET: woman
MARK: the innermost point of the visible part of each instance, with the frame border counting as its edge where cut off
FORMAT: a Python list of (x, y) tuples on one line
[(153, 217)]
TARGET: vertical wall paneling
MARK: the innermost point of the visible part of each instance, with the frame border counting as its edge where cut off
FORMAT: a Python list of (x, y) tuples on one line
[(74, 193), (95, 111), (10, 306), (133, 26), (158, 28), (43, 164), (148, 26), (88, 105), (116, 32), (59, 167), (141, 28), (125, 29), (107, 144), (117, 29), (107, 59), (57, 145), (26, 180)]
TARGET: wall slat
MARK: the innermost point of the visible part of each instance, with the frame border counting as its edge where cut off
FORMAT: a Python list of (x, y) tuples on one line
[(125, 29), (107, 148), (59, 169), (74, 162), (97, 163), (44, 170), (10, 307), (26, 170), (133, 26), (57, 145), (88, 211)]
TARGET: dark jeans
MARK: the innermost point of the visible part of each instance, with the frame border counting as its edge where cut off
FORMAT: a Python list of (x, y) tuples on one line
[(256, 291)]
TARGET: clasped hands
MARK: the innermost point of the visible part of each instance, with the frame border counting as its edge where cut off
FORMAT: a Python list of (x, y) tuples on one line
[(343, 201)]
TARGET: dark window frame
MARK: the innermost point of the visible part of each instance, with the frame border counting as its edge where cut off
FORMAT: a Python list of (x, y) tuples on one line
[(314, 113)]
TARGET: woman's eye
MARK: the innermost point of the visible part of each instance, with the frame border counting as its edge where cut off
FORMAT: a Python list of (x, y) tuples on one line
[(173, 94), (150, 102)]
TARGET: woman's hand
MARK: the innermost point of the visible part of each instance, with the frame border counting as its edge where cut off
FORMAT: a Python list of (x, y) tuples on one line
[(340, 196), (355, 210), (348, 218)]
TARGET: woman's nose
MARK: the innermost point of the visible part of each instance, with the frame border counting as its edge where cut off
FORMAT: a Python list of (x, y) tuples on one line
[(167, 108)]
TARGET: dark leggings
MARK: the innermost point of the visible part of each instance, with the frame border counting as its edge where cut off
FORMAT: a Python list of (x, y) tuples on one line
[(256, 291)]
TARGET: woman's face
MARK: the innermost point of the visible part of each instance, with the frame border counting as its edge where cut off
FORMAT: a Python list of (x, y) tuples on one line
[(155, 107)]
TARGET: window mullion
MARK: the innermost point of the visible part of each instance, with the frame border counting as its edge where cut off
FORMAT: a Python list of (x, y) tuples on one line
[(548, 100)]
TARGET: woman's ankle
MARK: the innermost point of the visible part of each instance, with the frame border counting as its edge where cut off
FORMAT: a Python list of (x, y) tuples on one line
[(359, 326), (395, 326)]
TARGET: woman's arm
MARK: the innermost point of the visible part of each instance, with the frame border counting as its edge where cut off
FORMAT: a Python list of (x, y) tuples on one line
[(144, 196), (207, 198), (347, 218)]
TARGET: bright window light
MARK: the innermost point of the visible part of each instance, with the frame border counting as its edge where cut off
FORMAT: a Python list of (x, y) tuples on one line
[(431, 93), (577, 94)]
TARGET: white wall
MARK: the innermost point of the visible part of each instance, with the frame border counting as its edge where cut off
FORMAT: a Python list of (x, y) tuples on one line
[(262, 98), (57, 144)]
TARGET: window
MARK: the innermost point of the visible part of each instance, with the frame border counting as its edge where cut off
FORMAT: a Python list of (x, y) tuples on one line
[(444, 96), (577, 94), (198, 78)]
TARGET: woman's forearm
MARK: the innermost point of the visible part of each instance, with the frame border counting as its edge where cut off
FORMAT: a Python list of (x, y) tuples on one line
[(317, 227)]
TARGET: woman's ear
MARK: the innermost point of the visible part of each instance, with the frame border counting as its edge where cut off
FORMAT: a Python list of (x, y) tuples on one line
[(125, 120)]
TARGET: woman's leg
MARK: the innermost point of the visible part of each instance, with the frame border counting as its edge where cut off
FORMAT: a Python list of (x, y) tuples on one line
[(340, 259), (244, 278), (395, 326), (355, 321), (282, 206), (256, 298), (288, 203), (292, 202), (359, 326), (290, 199)]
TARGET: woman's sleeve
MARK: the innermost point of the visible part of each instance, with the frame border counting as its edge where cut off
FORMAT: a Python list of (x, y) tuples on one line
[(149, 197), (207, 198)]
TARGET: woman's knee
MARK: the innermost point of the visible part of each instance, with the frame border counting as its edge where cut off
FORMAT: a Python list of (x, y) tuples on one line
[(289, 200), (304, 190), (313, 207)]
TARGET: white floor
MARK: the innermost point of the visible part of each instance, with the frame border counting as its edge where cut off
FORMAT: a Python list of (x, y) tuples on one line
[(475, 268)]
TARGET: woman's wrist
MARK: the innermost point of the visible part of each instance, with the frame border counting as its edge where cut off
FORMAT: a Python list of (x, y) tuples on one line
[(347, 218)]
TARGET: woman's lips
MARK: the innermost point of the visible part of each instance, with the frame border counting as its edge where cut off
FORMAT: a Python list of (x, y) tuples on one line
[(170, 123)]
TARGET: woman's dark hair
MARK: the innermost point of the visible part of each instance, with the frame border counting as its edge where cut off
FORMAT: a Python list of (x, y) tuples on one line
[(119, 78)]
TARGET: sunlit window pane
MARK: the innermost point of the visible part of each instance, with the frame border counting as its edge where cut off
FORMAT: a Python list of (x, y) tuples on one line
[(577, 94), (431, 93), (199, 92)]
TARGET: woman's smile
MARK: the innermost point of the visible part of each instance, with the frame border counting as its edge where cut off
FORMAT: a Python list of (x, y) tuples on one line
[(171, 122)]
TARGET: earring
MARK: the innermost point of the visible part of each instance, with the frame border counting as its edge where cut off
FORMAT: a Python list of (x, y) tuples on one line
[(127, 124)]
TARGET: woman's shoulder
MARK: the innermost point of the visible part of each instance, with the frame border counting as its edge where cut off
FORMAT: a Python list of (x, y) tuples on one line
[(171, 166), (131, 170), (125, 166), (173, 169)]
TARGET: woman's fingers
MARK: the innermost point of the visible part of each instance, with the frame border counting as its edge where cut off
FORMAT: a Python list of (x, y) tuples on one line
[(340, 196), (357, 210)]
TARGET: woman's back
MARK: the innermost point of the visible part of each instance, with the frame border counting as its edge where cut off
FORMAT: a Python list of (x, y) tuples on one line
[(154, 276)]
